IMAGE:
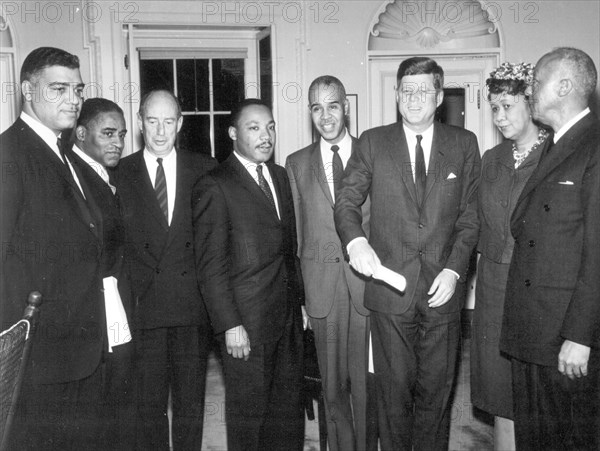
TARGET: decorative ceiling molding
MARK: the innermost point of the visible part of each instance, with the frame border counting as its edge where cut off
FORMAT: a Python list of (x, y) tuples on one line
[(430, 22)]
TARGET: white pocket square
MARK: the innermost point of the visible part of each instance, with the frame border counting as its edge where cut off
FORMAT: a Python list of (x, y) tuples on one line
[(566, 182), (451, 176)]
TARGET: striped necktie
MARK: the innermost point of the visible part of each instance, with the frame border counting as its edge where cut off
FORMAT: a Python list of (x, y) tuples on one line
[(264, 186), (160, 188)]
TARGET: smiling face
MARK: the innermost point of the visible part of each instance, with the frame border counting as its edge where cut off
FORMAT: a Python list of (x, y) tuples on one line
[(53, 96), (511, 115), (328, 108), (254, 133), (417, 101), (160, 122), (103, 138)]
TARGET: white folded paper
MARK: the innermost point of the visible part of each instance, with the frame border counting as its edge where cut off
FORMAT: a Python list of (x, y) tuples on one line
[(117, 326), (390, 277)]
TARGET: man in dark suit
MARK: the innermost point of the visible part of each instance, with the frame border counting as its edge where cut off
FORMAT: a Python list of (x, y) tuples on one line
[(171, 328), (99, 141), (551, 325), (422, 179), (50, 243), (245, 238), (334, 291)]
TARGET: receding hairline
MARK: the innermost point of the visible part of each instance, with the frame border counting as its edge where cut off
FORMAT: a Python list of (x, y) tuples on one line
[(157, 93)]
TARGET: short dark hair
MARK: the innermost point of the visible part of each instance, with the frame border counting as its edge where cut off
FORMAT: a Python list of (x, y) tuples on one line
[(580, 67), (149, 94), (328, 80), (241, 106), (420, 65), (92, 108), (43, 57)]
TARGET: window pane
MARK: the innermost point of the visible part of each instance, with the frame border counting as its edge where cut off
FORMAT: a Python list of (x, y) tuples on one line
[(192, 84), (228, 83), (195, 134), (156, 74), (223, 143)]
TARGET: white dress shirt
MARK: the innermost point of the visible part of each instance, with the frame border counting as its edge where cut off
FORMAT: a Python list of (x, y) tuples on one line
[(97, 167), (170, 166), (411, 141), (345, 151), (251, 168)]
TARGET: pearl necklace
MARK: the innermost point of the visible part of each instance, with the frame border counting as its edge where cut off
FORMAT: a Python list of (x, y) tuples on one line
[(520, 157)]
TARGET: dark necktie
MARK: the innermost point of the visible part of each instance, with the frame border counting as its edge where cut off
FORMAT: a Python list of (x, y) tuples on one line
[(337, 169), (61, 150), (264, 186), (160, 187), (420, 171)]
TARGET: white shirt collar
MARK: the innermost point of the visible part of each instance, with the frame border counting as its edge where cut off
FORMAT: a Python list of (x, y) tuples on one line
[(251, 167), (427, 134), (565, 128), (150, 157), (47, 135), (97, 167)]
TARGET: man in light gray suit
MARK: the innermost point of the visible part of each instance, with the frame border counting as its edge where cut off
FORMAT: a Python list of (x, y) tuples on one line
[(333, 291)]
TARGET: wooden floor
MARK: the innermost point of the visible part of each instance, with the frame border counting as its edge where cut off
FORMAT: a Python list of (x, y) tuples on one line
[(469, 430)]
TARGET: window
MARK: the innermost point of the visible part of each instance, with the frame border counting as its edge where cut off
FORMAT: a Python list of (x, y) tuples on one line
[(207, 89)]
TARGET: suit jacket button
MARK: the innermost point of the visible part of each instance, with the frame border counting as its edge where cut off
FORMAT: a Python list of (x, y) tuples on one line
[(184, 273), (504, 204), (92, 225), (157, 270), (146, 245), (188, 244), (527, 283), (421, 226), (420, 252), (531, 243), (337, 259), (547, 207)]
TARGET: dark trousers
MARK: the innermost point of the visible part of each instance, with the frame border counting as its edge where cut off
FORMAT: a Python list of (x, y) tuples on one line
[(62, 417), (263, 394), (170, 359), (341, 343), (553, 412), (415, 357)]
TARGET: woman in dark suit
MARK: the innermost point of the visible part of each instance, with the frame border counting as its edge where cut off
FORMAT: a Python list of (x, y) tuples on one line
[(505, 170)]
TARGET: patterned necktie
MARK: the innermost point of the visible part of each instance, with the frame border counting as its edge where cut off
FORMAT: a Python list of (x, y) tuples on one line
[(264, 186), (160, 188), (337, 169), (61, 150), (420, 171)]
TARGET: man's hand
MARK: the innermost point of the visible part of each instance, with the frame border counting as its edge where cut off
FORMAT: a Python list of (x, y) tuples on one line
[(363, 258), (237, 342), (573, 359), (305, 319), (443, 286)]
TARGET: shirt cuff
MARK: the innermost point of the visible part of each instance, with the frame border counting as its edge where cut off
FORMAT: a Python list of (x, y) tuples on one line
[(355, 240), (453, 272)]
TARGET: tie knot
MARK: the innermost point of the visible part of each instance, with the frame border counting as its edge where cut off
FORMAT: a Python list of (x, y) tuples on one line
[(159, 161), (419, 138), (335, 148)]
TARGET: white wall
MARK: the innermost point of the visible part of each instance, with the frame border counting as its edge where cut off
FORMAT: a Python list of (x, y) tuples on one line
[(311, 38)]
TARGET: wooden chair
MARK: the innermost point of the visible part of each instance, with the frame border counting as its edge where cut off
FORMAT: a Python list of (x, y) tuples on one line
[(15, 346)]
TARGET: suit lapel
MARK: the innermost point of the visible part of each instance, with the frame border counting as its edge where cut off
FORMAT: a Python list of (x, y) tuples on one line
[(249, 184), (316, 162), (554, 154), (143, 186), (181, 185), (48, 157), (436, 160), (398, 150)]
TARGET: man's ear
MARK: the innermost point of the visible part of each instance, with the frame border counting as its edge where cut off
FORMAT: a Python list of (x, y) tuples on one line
[(27, 90), (346, 107), (439, 97), (232, 133), (565, 86), (140, 122), (80, 133), (179, 123)]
